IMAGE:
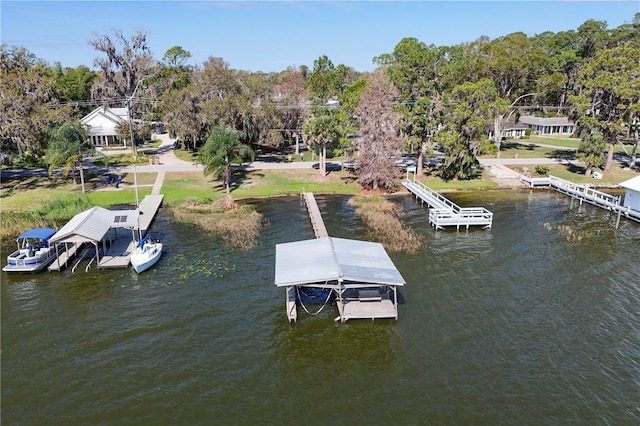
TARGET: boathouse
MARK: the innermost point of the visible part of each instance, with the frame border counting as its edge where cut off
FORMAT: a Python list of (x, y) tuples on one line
[(99, 228), (632, 194), (358, 276)]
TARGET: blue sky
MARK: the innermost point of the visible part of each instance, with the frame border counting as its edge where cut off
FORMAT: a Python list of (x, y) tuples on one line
[(271, 36)]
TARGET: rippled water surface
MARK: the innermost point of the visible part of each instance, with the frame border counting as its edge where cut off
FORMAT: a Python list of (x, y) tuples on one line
[(521, 324)]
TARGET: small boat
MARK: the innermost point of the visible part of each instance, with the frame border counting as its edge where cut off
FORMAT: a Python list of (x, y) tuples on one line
[(146, 254), (34, 253)]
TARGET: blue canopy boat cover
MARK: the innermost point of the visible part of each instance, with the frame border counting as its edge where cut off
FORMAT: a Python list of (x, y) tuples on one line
[(39, 233)]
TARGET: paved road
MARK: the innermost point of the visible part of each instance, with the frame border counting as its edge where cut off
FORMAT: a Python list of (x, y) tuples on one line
[(170, 163)]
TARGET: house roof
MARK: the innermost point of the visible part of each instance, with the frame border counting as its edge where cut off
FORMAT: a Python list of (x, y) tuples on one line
[(103, 120), (545, 121), (632, 184), (93, 224), (330, 259), (517, 126)]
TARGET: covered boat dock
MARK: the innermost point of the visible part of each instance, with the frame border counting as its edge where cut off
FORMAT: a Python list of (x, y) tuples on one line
[(359, 274), (99, 227)]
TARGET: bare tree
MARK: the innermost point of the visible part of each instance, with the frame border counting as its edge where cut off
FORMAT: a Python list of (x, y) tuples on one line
[(127, 63), (380, 138)]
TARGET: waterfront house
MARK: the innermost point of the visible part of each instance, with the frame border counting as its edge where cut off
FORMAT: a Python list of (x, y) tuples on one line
[(548, 125), (102, 126)]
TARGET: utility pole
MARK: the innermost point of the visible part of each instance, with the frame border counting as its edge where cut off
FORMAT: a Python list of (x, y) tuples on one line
[(134, 149)]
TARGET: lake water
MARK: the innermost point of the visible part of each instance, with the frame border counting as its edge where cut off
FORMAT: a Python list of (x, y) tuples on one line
[(520, 324)]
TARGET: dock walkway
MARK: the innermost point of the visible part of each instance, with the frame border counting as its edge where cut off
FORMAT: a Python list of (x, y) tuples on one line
[(584, 193), (148, 209), (64, 258), (444, 212), (314, 214), (118, 255)]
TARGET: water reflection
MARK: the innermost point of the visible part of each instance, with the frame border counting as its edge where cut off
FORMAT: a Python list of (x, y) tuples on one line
[(515, 324)]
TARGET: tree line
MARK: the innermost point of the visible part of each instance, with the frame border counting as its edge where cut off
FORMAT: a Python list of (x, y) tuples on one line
[(421, 97)]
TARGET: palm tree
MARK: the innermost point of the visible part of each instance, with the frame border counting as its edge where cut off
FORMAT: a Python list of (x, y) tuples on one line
[(222, 149), (321, 131), (66, 146)]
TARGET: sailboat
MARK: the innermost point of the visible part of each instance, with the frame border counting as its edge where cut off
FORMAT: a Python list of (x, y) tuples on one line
[(146, 254)]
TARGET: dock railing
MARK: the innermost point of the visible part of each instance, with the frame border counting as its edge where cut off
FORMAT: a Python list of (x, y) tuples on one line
[(586, 193), (444, 212), (432, 197)]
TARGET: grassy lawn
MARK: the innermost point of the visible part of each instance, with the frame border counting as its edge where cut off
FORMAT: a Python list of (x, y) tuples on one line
[(180, 186), (559, 141), (575, 173), (436, 183), (520, 150), (191, 157), (267, 183)]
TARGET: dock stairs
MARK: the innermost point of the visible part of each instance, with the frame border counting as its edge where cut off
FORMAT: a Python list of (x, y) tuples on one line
[(444, 212)]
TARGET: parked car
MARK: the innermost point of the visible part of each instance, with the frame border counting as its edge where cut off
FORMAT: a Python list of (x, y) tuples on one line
[(349, 165), (404, 161)]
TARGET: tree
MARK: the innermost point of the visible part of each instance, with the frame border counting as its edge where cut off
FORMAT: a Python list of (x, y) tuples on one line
[(28, 103), (610, 95), (346, 117), (473, 108), (320, 131), (591, 151), (514, 63), (128, 62), (73, 84), (223, 149), (417, 72), (291, 99), (176, 57), (379, 133), (322, 82), (66, 146)]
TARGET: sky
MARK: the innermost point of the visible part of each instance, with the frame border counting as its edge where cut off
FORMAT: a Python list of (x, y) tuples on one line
[(270, 36)]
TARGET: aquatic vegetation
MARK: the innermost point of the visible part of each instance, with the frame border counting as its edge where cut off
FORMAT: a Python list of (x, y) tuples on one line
[(237, 225), (570, 234), (186, 268), (384, 225)]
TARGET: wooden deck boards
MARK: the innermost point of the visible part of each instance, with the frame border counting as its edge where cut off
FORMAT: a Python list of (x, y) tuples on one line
[(62, 261), (356, 309), (148, 209), (118, 255), (314, 214)]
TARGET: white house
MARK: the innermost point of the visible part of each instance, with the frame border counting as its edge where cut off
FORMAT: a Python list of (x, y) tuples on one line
[(516, 131), (632, 195), (548, 125), (102, 125)]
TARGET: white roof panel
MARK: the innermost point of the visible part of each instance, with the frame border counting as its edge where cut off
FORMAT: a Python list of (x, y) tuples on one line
[(93, 224), (331, 259), (633, 183)]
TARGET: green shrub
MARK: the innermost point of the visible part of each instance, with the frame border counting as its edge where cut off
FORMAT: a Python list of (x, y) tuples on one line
[(541, 169)]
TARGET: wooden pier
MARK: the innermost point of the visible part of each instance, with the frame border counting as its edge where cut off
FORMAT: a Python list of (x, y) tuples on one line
[(444, 212), (119, 254), (584, 193), (62, 261), (314, 214), (148, 209)]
